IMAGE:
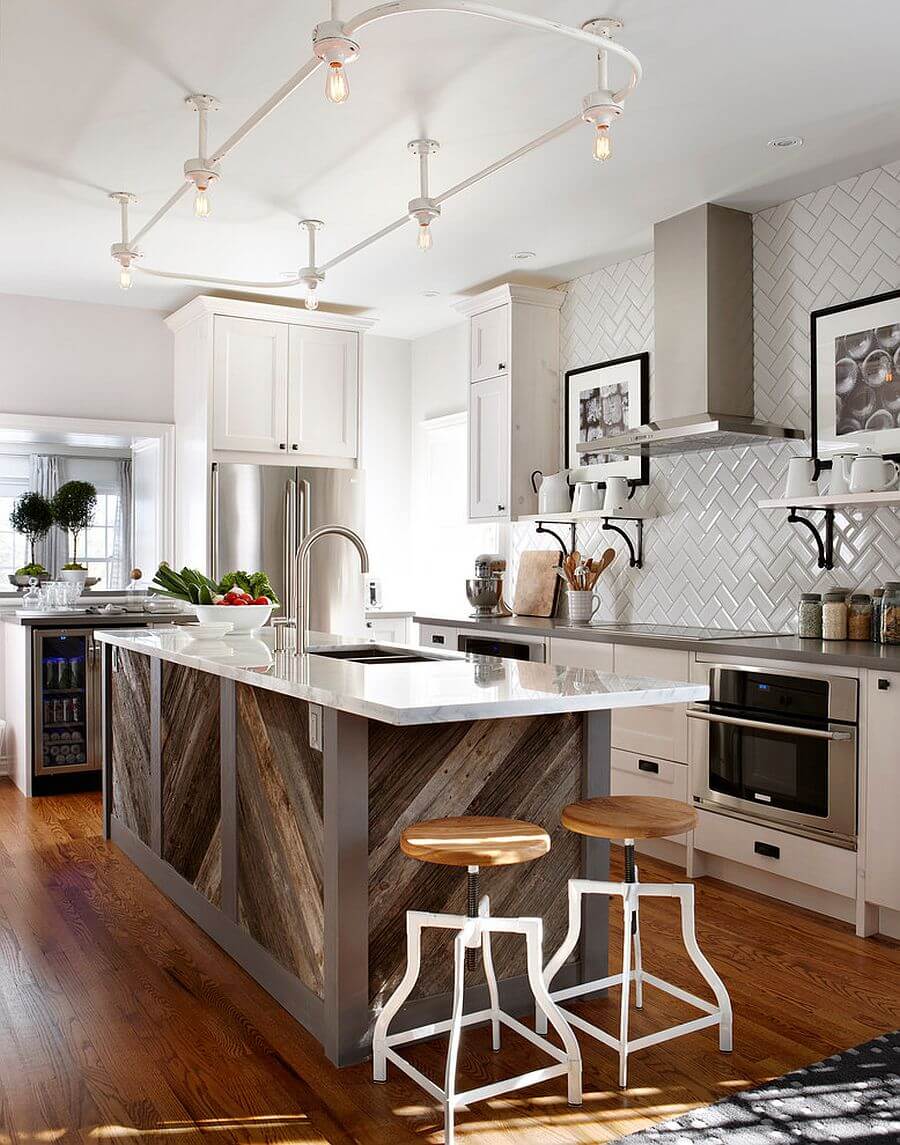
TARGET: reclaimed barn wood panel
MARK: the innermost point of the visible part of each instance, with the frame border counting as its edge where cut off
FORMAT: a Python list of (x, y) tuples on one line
[(131, 736), (280, 831), (526, 768), (191, 787)]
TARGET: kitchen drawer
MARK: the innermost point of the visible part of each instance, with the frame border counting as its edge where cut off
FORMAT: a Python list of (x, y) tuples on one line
[(432, 636), (581, 654), (792, 857), (659, 731), (640, 775)]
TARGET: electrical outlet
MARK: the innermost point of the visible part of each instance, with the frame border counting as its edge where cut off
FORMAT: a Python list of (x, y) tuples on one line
[(315, 727)]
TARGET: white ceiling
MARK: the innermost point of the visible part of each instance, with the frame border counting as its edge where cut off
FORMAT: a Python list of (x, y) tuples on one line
[(91, 101)]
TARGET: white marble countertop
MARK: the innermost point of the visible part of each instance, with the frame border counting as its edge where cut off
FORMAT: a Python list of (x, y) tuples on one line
[(445, 689)]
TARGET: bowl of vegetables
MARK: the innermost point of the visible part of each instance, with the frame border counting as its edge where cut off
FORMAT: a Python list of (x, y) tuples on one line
[(245, 600)]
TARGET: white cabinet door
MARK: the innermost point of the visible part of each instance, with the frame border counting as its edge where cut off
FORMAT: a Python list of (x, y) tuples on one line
[(489, 449), (323, 395), (882, 790), (660, 730), (581, 654), (489, 348), (250, 370)]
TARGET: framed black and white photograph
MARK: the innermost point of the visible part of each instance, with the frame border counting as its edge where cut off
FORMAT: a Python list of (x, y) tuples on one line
[(855, 376), (603, 400)]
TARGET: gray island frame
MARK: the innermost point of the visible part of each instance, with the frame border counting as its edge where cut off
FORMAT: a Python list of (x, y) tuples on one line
[(267, 804)]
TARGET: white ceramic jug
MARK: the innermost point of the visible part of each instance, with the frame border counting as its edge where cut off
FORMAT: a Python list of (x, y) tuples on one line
[(553, 491), (587, 497), (618, 493), (840, 474), (801, 478), (872, 474)]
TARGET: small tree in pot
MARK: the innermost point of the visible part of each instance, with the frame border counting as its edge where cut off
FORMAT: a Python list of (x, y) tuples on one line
[(32, 517), (73, 510)]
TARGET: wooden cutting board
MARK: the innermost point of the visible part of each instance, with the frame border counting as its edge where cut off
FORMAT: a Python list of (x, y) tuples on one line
[(537, 583)]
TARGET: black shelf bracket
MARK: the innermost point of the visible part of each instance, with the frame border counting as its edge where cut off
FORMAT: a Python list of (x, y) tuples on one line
[(635, 558), (825, 545), (542, 528)]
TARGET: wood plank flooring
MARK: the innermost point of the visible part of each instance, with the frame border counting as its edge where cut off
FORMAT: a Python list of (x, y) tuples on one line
[(120, 1020)]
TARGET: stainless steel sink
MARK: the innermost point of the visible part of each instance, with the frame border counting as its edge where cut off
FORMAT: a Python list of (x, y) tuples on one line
[(375, 654)]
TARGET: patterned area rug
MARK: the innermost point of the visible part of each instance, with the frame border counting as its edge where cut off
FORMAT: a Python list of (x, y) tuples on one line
[(853, 1097)]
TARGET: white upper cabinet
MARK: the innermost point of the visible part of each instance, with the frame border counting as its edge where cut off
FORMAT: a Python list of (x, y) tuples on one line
[(513, 397), (323, 393), (250, 372), (489, 344), (489, 448)]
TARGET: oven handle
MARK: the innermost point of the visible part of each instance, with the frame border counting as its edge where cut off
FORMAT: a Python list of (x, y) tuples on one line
[(737, 721)]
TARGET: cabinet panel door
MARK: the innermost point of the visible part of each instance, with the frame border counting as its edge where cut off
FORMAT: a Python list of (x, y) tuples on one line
[(882, 790), (581, 654), (660, 730), (250, 370), (489, 350), (489, 449), (323, 398)]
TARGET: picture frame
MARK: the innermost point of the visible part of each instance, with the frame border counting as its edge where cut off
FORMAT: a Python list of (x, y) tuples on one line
[(613, 396), (855, 377)]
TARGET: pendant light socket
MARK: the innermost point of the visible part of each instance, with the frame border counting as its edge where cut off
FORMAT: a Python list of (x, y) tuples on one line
[(332, 45)]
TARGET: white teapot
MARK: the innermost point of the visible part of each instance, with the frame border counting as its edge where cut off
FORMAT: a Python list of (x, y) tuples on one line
[(553, 493)]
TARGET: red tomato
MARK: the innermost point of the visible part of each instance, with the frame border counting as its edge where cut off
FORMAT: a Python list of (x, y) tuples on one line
[(261, 600), (232, 597)]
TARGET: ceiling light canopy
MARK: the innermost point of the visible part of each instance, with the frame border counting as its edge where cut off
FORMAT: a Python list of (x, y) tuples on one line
[(334, 46)]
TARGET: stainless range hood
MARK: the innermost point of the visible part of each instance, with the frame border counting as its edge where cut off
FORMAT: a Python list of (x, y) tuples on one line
[(703, 300)]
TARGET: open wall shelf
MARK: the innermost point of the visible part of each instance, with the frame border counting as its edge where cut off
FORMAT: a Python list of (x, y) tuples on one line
[(839, 501)]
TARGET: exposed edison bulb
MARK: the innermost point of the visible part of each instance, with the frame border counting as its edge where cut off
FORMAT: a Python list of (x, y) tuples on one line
[(423, 242), (602, 143), (201, 204), (125, 278), (312, 300), (337, 89)]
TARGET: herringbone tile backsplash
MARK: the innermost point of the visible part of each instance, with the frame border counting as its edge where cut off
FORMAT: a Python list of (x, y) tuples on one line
[(711, 556)]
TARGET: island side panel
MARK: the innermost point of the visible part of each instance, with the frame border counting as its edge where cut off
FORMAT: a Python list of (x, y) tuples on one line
[(191, 786), (280, 832), (132, 737), (525, 768)]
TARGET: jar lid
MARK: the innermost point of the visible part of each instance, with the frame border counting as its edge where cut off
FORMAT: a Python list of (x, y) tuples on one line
[(840, 595), (892, 586), (860, 598), (810, 596)]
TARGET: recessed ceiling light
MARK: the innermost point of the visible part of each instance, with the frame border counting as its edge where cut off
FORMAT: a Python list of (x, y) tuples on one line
[(432, 294), (522, 255), (786, 142)]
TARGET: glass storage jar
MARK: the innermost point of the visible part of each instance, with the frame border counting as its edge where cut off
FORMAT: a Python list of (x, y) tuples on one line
[(859, 617), (834, 616), (890, 613), (877, 602), (809, 616)]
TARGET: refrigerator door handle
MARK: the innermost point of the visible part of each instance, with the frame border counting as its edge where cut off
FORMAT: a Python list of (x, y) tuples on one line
[(287, 571), (214, 521)]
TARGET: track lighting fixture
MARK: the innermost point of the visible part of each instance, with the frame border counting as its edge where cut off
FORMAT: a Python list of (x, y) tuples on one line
[(601, 108), (335, 49), (200, 171), (423, 209), (124, 252), (310, 275)]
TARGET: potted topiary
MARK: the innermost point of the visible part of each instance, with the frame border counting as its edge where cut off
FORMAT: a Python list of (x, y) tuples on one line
[(32, 518), (73, 510)]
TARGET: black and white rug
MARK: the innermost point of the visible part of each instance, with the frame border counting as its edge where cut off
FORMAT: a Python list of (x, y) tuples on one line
[(851, 1098)]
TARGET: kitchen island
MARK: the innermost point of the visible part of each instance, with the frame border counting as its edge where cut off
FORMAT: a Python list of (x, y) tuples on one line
[(266, 799)]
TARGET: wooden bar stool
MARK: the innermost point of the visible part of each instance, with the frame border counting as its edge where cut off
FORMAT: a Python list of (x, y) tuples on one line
[(626, 818), (475, 842)]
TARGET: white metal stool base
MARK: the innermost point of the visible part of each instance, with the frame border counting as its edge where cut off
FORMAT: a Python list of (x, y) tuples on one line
[(712, 1015), (474, 933)]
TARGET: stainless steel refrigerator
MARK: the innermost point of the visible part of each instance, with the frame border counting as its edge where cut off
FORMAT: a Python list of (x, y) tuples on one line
[(261, 513)]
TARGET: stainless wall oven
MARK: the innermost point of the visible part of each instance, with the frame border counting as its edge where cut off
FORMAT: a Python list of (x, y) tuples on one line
[(779, 748)]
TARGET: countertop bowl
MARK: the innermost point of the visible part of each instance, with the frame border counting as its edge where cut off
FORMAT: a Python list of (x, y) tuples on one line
[(243, 617)]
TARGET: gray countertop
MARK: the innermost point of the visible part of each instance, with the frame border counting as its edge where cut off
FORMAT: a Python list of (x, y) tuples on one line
[(72, 617), (848, 653)]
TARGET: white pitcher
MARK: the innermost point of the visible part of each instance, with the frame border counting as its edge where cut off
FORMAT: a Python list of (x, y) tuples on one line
[(872, 474), (840, 474), (553, 492)]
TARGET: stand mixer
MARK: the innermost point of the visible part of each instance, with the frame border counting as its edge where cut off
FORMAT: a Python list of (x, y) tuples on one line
[(484, 591)]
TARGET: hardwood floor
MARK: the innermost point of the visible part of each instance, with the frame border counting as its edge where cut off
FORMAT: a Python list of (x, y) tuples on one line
[(120, 1019)]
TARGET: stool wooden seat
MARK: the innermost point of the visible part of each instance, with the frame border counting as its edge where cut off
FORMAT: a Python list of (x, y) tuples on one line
[(629, 817), (474, 841)]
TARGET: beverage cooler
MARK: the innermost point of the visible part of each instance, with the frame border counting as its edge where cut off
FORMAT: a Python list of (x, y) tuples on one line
[(66, 712)]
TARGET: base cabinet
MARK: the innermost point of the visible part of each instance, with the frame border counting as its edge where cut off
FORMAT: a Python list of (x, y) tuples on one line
[(882, 814), (659, 731)]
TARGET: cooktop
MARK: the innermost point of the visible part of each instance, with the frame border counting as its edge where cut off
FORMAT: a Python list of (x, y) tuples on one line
[(681, 631)]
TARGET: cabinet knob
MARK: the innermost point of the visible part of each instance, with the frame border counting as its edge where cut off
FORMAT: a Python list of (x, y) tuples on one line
[(883, 685), (501, 508), (501, 365), (282, 445), (295, 446)]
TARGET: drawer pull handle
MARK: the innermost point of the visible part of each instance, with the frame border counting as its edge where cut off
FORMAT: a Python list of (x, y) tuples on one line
[(648, 765), (883, 685), (767, 849)]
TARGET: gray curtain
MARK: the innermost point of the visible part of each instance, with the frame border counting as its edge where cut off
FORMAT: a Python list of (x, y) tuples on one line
[(51, 551), (123, 557)]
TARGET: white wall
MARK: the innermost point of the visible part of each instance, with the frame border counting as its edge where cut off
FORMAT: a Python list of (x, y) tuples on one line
[(387, 460), (440, 372), (76, 359)]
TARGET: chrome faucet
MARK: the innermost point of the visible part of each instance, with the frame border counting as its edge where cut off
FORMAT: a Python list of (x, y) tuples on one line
[(301, 575)]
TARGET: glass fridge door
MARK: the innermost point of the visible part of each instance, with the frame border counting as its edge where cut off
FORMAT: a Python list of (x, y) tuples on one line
[(64, 700)]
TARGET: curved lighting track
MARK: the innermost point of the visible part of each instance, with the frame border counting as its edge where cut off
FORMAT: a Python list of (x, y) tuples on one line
[(609, 102)]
